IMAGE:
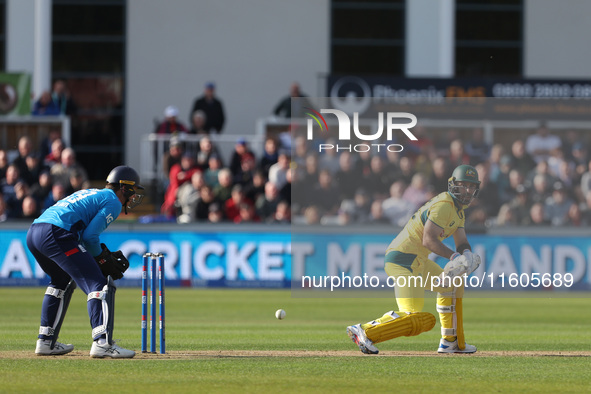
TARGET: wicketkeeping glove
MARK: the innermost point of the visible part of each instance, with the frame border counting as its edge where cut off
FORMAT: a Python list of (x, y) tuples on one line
[(112, 263)]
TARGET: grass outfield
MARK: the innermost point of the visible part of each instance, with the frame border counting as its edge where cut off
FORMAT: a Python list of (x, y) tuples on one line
[(230, 341)]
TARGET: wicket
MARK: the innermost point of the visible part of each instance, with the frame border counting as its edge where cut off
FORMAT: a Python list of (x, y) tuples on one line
[(150, 260)]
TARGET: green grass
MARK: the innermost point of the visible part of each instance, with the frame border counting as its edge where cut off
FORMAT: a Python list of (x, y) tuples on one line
[(233, 320)]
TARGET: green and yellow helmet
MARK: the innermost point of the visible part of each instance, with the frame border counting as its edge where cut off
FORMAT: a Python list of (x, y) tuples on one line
[(463, 173)]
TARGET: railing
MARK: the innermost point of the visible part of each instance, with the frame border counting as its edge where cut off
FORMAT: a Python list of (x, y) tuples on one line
[(36, 127)]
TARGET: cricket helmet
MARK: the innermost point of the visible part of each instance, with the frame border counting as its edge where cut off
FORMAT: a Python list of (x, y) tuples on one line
[(129, 182), (466, 174)]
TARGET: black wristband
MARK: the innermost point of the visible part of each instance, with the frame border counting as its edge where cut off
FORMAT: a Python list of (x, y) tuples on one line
[(462, 247)]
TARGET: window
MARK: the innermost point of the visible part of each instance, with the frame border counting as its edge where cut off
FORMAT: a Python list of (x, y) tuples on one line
[(367, 37), (88, 53), (489, 38)]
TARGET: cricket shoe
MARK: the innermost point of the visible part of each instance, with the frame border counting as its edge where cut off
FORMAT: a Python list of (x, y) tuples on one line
[(44, 348), (113, 351), (452, 347), (357, 335)]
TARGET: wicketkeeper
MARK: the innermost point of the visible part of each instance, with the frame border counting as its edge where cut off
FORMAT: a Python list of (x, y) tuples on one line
[(65, 243), (408, 256)]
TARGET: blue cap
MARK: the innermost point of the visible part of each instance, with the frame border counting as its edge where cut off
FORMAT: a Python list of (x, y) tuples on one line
[(210, 85)]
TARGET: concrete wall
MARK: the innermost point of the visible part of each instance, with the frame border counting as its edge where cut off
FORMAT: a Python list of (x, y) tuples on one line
[(557, 39), (252, 49)]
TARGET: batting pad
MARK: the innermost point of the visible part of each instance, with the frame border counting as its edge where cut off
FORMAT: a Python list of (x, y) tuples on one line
[(391, 325), (451, 316)]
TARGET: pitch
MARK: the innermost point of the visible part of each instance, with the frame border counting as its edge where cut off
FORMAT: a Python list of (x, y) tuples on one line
[(230, 341)]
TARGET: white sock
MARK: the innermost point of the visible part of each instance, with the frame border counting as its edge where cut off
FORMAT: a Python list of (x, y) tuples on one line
[(102, 341)]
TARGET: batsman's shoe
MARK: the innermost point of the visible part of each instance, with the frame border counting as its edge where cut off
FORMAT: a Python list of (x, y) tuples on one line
[(357, 335), (44, 348), (113, 351), (452, 347)]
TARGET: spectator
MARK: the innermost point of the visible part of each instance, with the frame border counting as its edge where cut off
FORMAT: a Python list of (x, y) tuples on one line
[(41, 189), (216, 214), (267, 203), (3, 213), (232, 205), (580, 159), (285, 191), (8, 183), (477, 148), (203, 204), (309, 172), (278, 171), (223, 191), (25, 148), (198, 120), (205, 151), (213, 109), (557, 205), (35, 167), (507, 216), (575, 217), (585, 210), (61, 97), (520, 159), (284, 107), (406, 170), (247, 170), (520, 205), (496, 154), (282, 214), (62, 172), (541, 144), (329, 159), (214, 166), (3, 163), (396, 208), (187, 197), (488, 198), (45, 106), (58, 191), (376, 214), (537, 216), (361, 206), (15, 202), (241, 149), (45, 145), (312, 215), (542, 168), (440, 174), (173, 155), (347, 179), (29, 208), (270, 155), (171, 124), (457, 154), (508, 188), (586, 181), (324, 194), (541, 190), (256, 188), (417, 192), (247, 214), (55, 156), (179, 174), (378, 180)]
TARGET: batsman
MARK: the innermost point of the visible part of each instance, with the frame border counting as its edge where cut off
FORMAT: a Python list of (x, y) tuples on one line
[(407, 261), (65, 242)]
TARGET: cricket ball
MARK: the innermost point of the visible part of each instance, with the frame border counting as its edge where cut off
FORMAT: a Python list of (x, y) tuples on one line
[(280, 314)]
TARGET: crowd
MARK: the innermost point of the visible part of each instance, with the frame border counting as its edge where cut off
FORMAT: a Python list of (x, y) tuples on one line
[(37, 178), (543, 178)]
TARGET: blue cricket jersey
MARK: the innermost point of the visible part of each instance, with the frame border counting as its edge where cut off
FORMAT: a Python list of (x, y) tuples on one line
[(86, 212)]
